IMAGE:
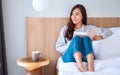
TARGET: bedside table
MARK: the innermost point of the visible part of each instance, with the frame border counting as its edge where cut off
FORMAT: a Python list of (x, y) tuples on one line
[(33, 68)]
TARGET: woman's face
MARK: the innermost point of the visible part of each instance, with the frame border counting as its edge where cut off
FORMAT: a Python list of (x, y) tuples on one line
[(76, 16)]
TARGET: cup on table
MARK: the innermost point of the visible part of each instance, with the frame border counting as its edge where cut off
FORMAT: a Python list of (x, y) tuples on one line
[(36, 55)]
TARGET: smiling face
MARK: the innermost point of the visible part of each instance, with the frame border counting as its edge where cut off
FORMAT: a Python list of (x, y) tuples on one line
[(76, 16)]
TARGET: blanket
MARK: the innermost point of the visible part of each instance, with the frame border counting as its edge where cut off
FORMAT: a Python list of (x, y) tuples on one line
[(102, 67)]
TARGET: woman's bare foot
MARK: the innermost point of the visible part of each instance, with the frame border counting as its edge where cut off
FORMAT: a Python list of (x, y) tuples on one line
[(82, 70), (78, 58), (90, 61), (90, 69)]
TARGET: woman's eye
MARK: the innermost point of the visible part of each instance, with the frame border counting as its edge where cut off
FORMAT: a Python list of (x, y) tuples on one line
[(76, 14)]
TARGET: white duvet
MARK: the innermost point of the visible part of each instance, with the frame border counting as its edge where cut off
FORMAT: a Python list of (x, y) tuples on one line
[(102, 67)]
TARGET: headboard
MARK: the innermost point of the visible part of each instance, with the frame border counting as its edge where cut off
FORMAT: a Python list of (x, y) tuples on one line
[(42, 34)]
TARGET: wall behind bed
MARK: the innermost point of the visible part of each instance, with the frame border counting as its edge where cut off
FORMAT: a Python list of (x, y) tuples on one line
[(16, 11)]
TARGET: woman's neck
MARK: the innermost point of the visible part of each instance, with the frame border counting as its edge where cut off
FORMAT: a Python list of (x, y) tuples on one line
[(78, 26)]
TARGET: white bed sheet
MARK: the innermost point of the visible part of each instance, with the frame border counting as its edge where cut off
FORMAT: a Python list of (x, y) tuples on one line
[(91, 73), (102, 67)]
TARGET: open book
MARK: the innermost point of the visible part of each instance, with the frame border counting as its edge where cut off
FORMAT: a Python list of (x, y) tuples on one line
[(80, 33), (91, 33)]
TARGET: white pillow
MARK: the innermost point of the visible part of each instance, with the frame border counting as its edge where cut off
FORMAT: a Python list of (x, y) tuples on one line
[(96, 48), (110, 47)]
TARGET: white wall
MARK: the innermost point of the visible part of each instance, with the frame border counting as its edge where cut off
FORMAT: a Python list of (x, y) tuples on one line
[(16, 11)]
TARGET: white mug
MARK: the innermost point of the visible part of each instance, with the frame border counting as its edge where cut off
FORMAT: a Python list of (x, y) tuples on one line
[(36, 56)]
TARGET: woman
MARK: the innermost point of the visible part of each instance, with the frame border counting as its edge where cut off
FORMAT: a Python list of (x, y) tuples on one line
[(79, 48)]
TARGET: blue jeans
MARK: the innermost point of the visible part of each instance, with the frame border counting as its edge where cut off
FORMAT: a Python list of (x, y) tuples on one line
[(78, 44)]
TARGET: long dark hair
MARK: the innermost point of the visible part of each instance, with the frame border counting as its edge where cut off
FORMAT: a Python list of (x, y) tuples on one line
[(71, 25)]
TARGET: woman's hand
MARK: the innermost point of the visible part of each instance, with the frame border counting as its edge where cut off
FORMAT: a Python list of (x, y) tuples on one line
[(97, 37), (93, 34)]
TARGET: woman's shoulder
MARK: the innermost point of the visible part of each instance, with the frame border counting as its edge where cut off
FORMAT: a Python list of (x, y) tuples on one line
[(64, 27)]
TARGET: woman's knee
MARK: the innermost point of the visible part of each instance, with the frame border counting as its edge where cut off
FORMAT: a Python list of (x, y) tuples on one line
[(87, 44), (77, 38), (76, 43), (86, 38)]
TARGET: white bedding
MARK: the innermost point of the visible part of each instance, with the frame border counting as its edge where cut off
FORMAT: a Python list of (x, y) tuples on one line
[(102, 67), (91, 73)]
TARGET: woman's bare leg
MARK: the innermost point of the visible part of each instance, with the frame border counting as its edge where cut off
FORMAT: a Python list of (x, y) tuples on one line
[(78, 58), (90, 61)]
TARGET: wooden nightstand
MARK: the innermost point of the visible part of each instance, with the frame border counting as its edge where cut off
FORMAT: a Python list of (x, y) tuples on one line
[(33, 68)]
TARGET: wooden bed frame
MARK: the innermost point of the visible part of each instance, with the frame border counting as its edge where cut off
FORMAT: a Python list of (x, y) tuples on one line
[(42, 34)]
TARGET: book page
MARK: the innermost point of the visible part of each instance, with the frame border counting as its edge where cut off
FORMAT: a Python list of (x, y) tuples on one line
[(80, 34), (90, 33)]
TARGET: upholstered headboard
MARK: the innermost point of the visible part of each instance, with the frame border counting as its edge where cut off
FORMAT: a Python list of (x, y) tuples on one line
[(42, 34)]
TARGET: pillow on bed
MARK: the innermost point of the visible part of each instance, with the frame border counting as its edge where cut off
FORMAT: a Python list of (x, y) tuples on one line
[(96, 48), (110, 47)]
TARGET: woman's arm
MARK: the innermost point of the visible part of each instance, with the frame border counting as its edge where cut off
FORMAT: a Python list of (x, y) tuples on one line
[(61, 43), (105, 32), (101, 33)]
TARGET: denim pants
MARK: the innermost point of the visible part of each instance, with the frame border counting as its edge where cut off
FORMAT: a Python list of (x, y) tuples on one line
[(78, 44)]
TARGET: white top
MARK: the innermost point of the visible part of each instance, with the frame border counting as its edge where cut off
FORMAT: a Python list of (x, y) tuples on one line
[(62, 42)]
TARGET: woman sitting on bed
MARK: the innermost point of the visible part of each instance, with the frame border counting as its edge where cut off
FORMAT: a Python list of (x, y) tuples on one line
[(78, 47)]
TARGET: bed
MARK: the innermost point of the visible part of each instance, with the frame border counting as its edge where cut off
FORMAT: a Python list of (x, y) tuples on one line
[(42, 34), (107, 62)]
